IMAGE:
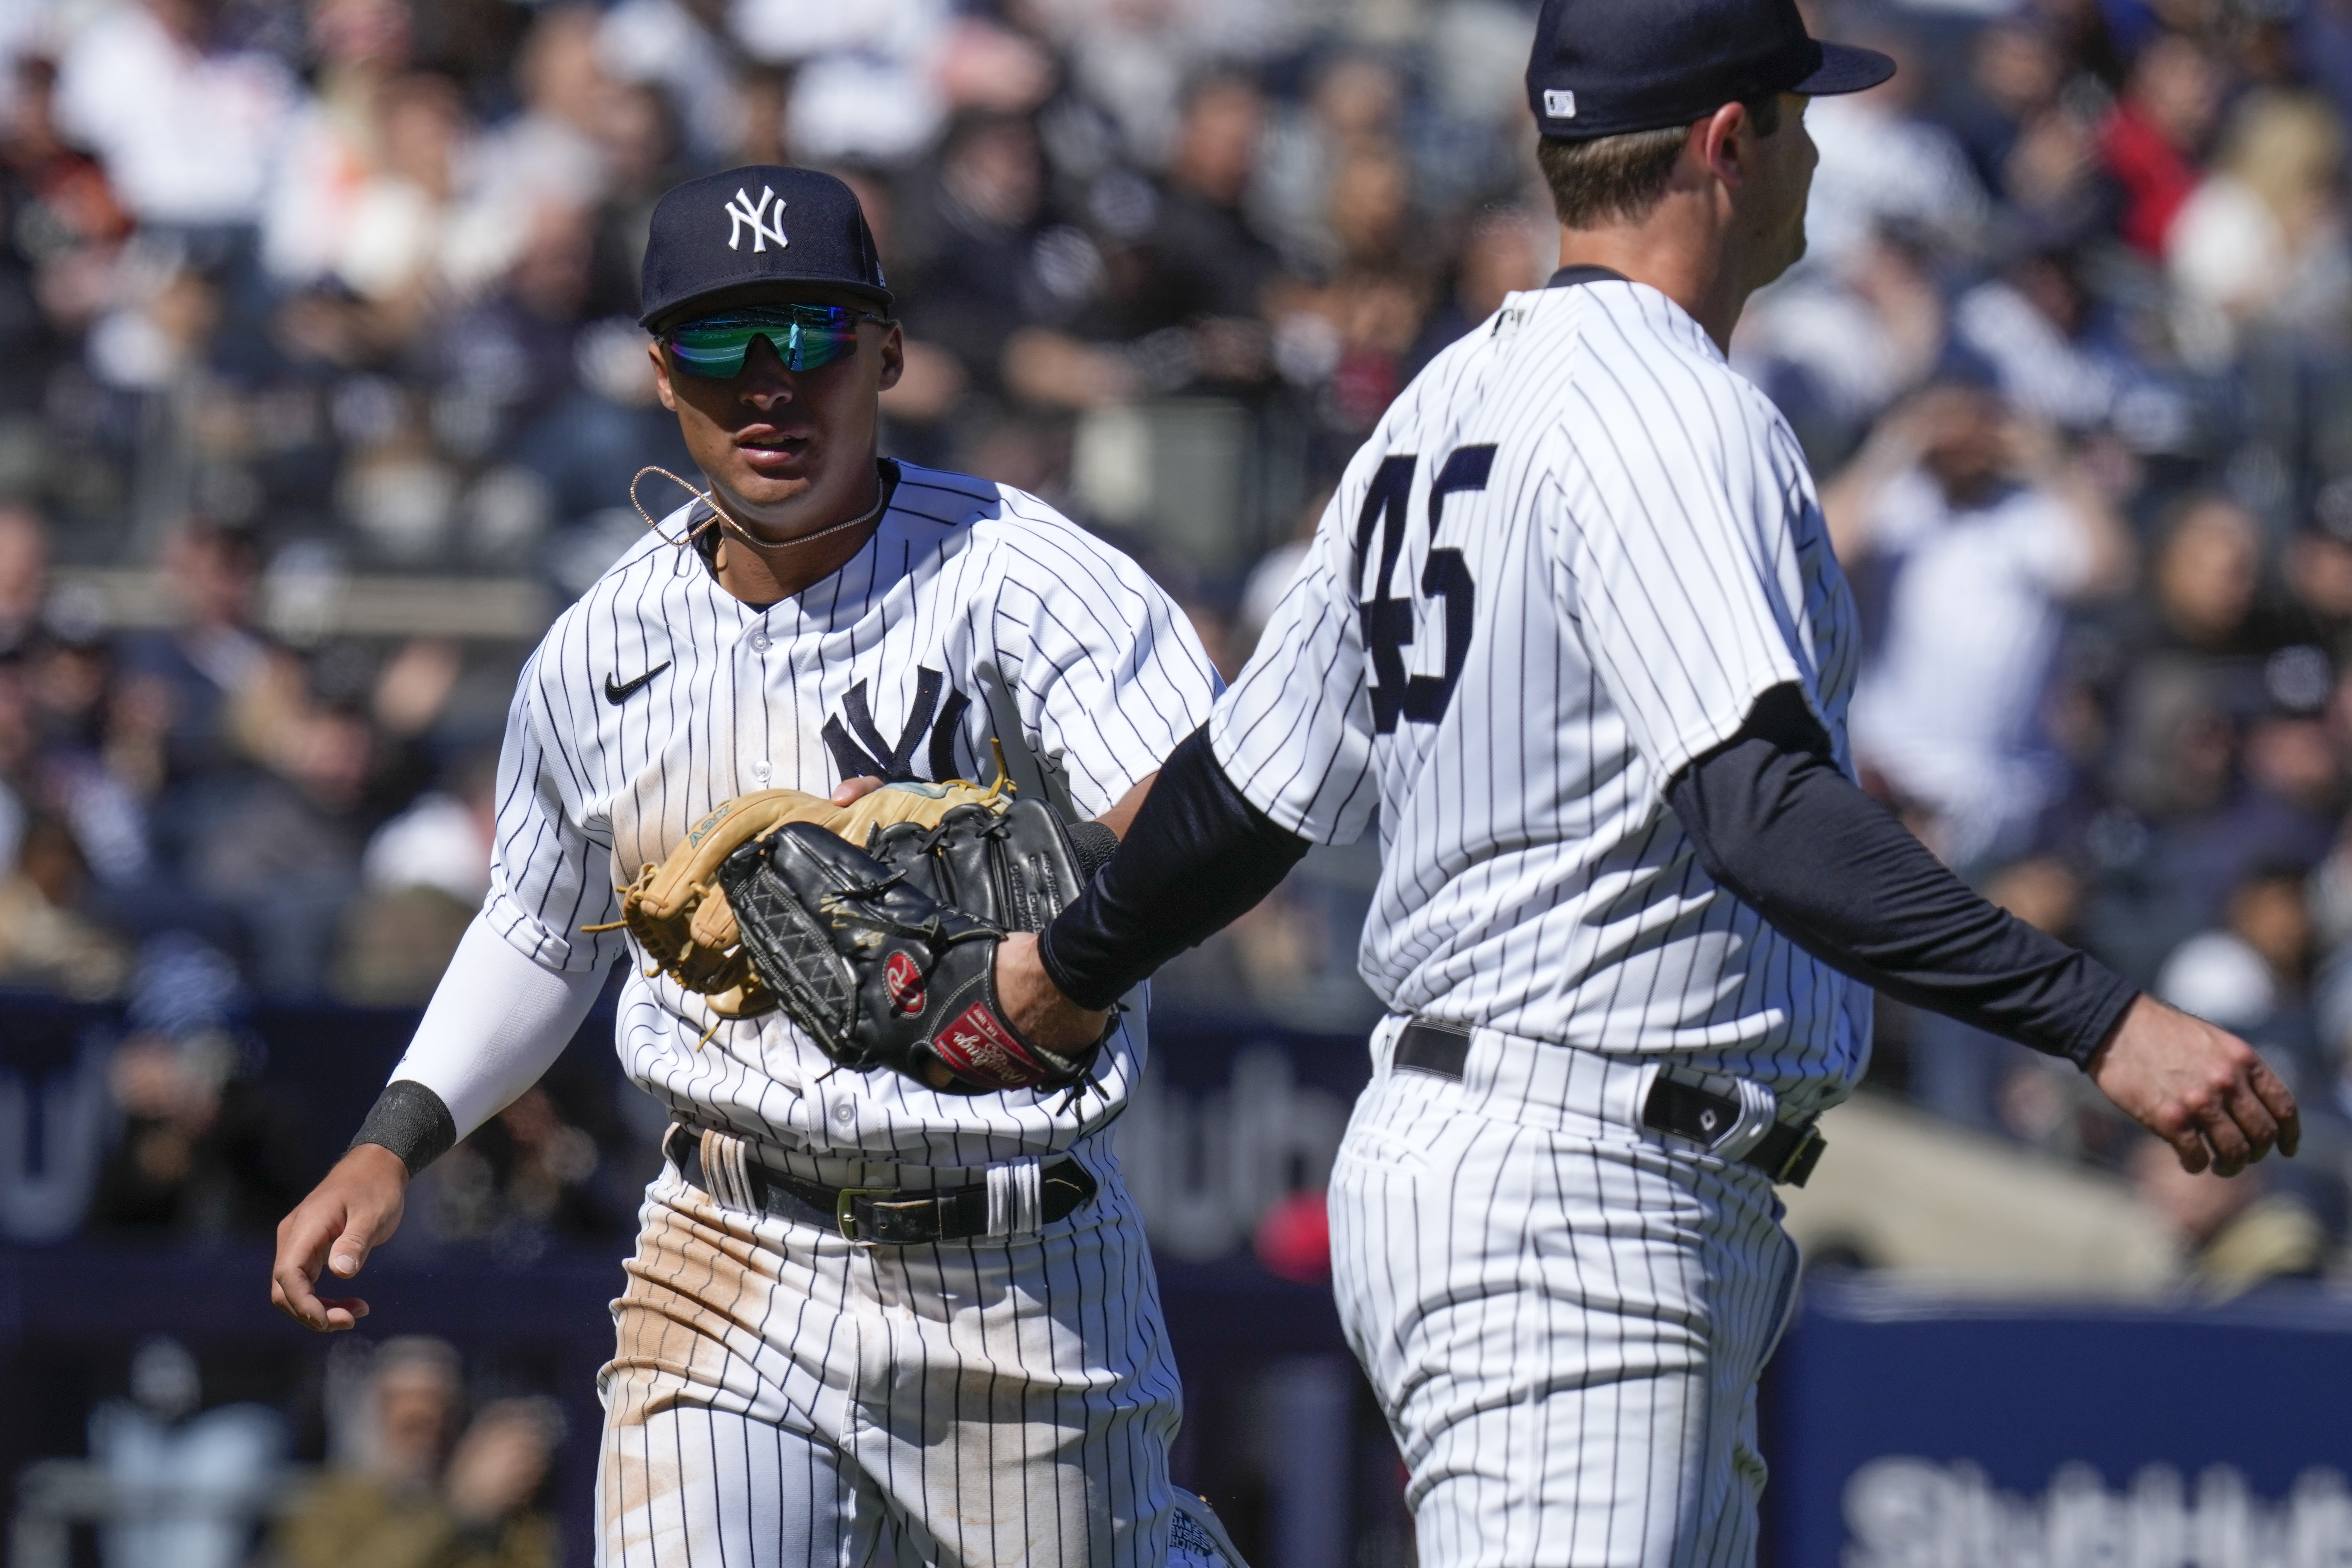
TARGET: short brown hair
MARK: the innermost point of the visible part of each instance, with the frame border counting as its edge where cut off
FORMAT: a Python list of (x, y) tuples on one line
[(1594, 179)]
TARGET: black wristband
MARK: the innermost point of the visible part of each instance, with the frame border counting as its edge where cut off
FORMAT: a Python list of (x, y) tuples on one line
[(412, 1122)]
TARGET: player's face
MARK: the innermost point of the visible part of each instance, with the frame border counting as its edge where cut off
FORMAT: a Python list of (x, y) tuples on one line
[(786, 451), (1781, 177)]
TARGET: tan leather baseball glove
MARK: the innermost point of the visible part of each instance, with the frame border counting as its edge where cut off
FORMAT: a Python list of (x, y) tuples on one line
[(679, 914)]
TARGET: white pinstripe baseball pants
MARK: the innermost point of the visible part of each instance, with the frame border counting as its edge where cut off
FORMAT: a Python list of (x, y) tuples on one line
[(780, 1396), (1564, 1319)]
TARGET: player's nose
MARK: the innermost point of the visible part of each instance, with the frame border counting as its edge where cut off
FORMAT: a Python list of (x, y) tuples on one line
[(764, 381), (766, 398)]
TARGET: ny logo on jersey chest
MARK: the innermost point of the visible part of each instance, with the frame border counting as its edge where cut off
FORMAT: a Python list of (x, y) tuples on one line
[(1388, 621), (859, 750)]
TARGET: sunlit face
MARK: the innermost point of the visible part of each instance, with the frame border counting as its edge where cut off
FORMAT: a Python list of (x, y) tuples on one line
[(1780, 178), (785, 451)]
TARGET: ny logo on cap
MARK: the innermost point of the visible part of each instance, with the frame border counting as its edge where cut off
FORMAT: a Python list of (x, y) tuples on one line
[(765, 225)]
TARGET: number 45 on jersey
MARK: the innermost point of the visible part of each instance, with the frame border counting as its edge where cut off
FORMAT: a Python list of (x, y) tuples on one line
[(1387, 619)]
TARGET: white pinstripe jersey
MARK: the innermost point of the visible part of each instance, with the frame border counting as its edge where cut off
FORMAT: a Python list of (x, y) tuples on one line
[(1568, 561), (974, 611)]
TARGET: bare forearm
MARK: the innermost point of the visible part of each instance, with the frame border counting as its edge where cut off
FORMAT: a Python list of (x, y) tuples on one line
[(1121, 817)]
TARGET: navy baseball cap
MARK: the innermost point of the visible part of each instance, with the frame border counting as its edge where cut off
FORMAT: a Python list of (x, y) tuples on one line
[(761, 224), (1603, 68)]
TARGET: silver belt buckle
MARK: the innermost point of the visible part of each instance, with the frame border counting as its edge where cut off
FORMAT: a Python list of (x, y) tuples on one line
[(1728, 1137)]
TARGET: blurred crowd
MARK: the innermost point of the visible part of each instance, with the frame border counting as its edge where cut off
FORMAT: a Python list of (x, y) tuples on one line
[(295, 297), (424, 1466), (2068, 352), (300, 295)]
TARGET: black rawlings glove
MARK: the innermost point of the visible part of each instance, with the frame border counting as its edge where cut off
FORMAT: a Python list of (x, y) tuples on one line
[(887, 958)]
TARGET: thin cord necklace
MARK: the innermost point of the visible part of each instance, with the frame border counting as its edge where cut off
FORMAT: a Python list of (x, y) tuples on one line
[(718, 517)]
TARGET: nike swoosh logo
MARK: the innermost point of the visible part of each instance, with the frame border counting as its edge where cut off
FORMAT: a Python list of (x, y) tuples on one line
[(617, 694)]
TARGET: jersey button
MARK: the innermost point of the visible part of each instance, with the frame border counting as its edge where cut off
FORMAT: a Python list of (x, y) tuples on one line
[(759, 642), (760, 770), (845, 1113)]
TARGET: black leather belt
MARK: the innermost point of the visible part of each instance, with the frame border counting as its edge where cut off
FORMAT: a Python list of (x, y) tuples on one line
[(1787, 1152), (1439, 1049), (885, 1216)]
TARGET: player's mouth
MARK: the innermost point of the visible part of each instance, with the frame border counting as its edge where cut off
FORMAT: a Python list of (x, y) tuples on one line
[(771, 450)]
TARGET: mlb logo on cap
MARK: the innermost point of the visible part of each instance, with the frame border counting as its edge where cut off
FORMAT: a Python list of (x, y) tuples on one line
[(1603, 68), (765, 223)]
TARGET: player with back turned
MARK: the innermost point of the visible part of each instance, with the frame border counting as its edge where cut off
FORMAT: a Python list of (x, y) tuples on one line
[(862, 1304), (1571, 627)]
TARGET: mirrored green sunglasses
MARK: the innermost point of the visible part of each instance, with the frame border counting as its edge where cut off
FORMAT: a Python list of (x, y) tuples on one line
[(804, 336)]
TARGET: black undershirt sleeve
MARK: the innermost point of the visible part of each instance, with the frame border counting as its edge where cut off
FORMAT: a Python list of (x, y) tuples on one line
[(1774, 821), (1198, 857), (1770, 818)]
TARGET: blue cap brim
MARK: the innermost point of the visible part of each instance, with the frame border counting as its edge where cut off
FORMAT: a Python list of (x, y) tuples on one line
[(1845, 68)]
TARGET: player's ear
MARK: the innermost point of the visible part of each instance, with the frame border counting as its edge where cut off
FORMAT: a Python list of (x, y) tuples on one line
[(1724, 142), (893, 354), (661, 377)]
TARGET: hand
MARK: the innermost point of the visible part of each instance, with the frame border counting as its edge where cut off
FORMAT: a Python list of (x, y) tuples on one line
[(1034, 1007), (854, 790), (352, 1213), (497, 1464), (2202, 1089)]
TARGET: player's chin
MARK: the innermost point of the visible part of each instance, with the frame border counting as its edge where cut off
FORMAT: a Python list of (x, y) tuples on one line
[(759, 489), (1791, 251), (768, 516)]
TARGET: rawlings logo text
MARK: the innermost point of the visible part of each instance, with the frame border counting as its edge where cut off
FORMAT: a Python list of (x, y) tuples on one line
[(978, 1045)]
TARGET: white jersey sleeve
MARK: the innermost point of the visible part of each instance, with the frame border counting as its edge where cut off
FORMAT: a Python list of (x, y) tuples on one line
[(1678, 564), (1104, 667), (497, 1021), (550, 870), (1571, 557), (1299, 721)]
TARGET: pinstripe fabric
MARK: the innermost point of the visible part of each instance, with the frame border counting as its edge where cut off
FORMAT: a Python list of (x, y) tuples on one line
[(1564, 1319), (1055, 644), (780, 1396), (1647, 558), (778, 1393), (1569, 559)]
